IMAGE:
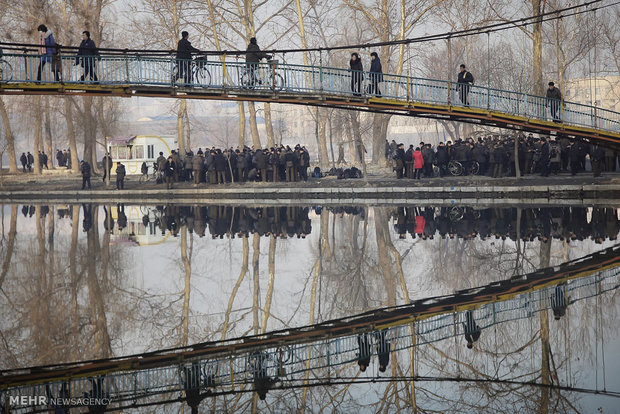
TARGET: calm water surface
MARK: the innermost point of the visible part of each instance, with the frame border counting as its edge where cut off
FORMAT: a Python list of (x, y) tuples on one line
[(94, 281)]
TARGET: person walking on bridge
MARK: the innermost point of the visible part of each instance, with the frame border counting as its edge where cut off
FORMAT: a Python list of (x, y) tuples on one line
[(376, 74), (86, 55), (357, 73), (465, 80), (184, 58), (252, 58), (554, 99), (24, 161), (48, 51)]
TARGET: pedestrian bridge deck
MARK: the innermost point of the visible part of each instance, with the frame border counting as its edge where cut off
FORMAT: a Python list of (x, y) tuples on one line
[(134, 75), (322, 348)]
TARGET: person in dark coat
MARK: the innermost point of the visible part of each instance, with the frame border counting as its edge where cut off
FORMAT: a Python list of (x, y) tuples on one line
[(252, 58), (545, 158), (260, 162), (442, 159), (573, 157), (169, 168), (357, 75), (554, 99), (86, 55), (60, 159), (262, 381), (120, 176), (220, 167), (304, 163), (558, 301), (30, 158), (363, 356), (24, 160), (399, 160), (106, 162), (472, 330), (597, 159), (184, 58), (43, 160), (376, 74), (383, 349), (85, 170), (465, 80)]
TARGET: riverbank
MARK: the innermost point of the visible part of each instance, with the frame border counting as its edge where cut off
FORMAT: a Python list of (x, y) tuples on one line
[(377, 188)]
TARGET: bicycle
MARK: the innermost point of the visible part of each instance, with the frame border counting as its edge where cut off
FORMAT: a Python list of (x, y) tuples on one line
[(6, 71), (156, 176), (200, 75), (255, 76), (456, 168)]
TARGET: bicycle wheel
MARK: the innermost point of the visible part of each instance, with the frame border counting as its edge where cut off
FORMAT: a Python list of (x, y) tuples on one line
[(203, 76), (455, 168), (474, 168), (278, 82), (247, 81), (456, 213), (6, 71)]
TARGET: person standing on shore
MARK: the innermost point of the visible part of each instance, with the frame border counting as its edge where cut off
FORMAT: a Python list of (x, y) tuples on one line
[(120, 176), (85, 170)]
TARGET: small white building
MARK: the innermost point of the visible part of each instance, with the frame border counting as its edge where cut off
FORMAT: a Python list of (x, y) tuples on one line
[(135, 150)]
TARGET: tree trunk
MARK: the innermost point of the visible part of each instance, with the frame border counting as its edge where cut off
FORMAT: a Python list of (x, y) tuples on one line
[(48, 134), (10, 139), (180, 135), (268, 126), (256, 277), (254, 126), (537, 44), (71, 136), (545, 254), (321, 114), (187, 266), (38, 124), (6, 263), (241, 126), (379, 134)]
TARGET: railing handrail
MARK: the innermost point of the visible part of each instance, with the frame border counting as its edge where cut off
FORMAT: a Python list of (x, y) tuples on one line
[(504, 97)]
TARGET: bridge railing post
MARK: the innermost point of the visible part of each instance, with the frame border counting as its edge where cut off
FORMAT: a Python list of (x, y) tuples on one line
[(224, 71)]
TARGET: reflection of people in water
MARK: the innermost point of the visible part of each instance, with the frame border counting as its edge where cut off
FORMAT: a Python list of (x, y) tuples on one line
[(558, 301), (383, 349), (87, 223), (262, 381), (96, 392), (63, 393), (472, 330), (193, 381), (363, 359), (122, 217)]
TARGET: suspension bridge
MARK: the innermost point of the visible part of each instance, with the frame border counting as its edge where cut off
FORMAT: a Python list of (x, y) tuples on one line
[(131, 75), (289, 355)]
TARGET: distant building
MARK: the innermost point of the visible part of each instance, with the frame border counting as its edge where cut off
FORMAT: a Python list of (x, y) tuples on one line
[(603, 92)]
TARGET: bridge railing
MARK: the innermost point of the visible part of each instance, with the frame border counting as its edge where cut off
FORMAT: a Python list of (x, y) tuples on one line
[(231, 370), (276, 77)]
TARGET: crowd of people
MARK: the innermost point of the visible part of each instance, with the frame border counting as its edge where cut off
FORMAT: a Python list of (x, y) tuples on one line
[(220, 166), (495, 155), (63, 158), (545, 223)]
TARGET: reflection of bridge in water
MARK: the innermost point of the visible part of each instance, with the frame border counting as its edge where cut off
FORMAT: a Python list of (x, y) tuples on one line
[(289, 355), (133, 75)]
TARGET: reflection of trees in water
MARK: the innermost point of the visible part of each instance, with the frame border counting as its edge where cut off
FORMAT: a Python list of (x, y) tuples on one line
[(55, 293)]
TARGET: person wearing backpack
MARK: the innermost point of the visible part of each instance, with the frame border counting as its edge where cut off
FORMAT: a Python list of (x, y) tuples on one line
[(465, 80)]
